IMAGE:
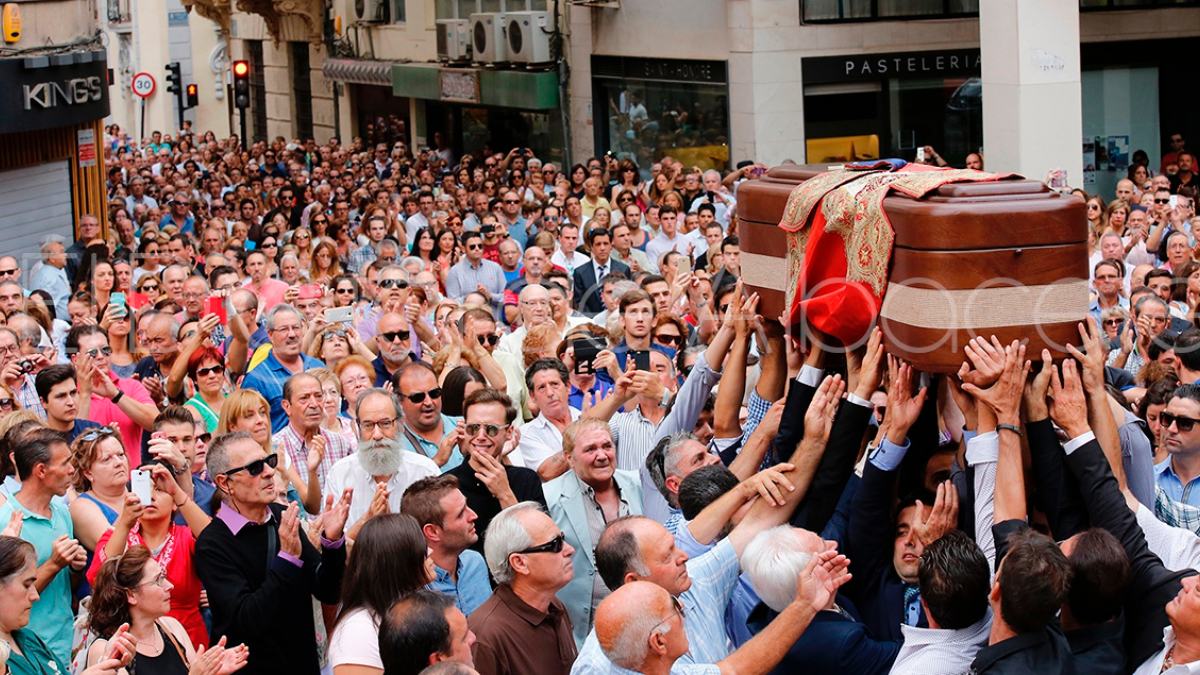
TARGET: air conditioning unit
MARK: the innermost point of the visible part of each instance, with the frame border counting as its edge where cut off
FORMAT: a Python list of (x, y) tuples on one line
[(454, 40), (528, 36), (371, 11), (487, 37)]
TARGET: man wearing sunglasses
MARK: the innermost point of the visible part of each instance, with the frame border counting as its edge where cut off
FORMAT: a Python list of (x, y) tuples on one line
[(112, 400), (1179, 474), (180, 215), (488, 483), (473, 273), (426, 430), (391, 291), (524, 628), (260, 570)]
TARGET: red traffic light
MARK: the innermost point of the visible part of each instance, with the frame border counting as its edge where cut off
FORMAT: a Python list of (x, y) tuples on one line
[(241, 68)]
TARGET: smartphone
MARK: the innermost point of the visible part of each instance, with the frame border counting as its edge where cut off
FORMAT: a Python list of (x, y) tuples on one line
[(683, 263), (921, 155), (217, 306), (251, 245), (586, 350), (117, 298), (1174, 201), (339, 315), (140, 485), (641, 359), (311, 291)]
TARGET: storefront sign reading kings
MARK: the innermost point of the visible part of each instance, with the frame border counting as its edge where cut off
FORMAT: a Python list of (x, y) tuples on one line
[(36, 98), (459, 85), (857, 67)]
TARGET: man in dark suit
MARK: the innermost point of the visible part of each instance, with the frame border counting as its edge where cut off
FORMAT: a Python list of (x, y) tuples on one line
[(588, 279)]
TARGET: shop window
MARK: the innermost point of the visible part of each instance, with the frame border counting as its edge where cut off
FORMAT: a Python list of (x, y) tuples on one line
[(646, 109), (1126, 4), (865, 10)]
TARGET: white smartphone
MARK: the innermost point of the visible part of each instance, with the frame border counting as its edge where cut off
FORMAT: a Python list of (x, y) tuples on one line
[(140, 485), (921, 155), (339, 314)]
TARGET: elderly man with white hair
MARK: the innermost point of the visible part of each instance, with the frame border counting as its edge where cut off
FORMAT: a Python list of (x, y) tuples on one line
[(51, 275), (523, 627), (716, 194)]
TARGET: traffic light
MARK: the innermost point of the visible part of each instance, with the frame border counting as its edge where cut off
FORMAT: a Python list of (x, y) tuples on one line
[(241, 84), (174, 78), (192, 98)]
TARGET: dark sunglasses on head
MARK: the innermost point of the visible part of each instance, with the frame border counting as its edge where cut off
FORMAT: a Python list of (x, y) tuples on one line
[(490, 429), (555, 545), (391, 336), (99, 432), (1185, 424), (218, 369), (492, 339), (419, 397), (255, 468), (392, 283)]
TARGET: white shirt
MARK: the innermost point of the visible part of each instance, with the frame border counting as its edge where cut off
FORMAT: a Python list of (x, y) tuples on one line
[(661, 244), (355, 641), (348, 473), (1154, 664), (577, 259), (941, 651), (540, 439), (415, 222)]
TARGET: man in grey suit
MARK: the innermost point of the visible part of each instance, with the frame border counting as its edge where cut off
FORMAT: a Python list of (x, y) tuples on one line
[(582, 501)]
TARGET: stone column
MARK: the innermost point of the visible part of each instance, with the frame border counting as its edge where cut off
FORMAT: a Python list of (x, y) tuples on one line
[(1032, 106)]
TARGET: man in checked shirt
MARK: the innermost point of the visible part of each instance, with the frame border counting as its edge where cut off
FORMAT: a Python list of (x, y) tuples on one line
[(303, 401)]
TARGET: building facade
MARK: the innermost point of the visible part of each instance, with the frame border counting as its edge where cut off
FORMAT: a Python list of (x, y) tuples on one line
[(54, 99), (710, 81)]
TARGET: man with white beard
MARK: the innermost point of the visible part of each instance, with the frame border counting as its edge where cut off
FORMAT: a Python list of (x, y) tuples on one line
[(380, 470)]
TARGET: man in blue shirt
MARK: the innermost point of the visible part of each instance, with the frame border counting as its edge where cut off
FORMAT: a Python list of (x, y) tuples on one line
[(180, 215), (1179, 474), (285, 327), (449, 527)]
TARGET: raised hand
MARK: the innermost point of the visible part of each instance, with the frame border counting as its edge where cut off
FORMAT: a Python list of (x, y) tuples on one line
[(1069, 405), (818, 584), (987, 361), (316, 452), (770, 484), (491, 473), (1036, 408), (15, 522), (336, 515), (289, 531), (1004, 397), (1091, 360), (818, 420), (902, 407), (931, 525)]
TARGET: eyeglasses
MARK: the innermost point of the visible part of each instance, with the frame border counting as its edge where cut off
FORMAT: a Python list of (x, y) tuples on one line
[(555, 545), (369, 427), (472, 247), (392, 283), (491, 430), (96, 433), (4, 273), (392, 336), (419, 397), (492, 339), (511, 201), (1113, 322), (344, 290), (217, 369), (270, 244), (159, 580), (669, 339), (677, 608), (1162, 201), (1185, 424), (150, 287), (107, 351), (255, 468)]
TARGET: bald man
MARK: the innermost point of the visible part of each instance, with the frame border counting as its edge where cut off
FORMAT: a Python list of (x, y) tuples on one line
[(640, 628)]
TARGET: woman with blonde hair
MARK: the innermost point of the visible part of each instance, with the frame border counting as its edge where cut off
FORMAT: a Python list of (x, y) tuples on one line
[(247, 410), (302, 239)]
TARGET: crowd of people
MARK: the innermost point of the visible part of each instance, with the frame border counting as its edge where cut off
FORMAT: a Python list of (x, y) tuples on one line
[(364, 409)]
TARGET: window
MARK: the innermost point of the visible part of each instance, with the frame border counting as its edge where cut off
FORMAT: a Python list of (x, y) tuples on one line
[(399, 11), (463, 9), (866, 10), (302, 89)]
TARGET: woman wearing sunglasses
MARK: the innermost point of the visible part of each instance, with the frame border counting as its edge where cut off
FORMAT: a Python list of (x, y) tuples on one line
[(302, 239), (152, 526), (335, 342), (390, 561), (206, 368), (135, 589)]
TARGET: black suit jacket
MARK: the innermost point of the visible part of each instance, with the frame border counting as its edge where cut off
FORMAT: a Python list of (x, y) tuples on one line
[(833, 644), (587, 287)]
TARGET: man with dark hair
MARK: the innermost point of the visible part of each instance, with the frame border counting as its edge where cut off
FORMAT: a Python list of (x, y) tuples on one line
[(421, 630), (58, 393), (587, 278), (449, 526), (703, 487), (1179, 475), (112, 400), (487, 482), (1187, 356), (43, 464), (473, 273), (426, 429), (547, 381), (954, 579), (175, 445)]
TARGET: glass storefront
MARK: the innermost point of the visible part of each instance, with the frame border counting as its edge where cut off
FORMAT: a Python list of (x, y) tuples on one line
[(479, 129), (645, 109)]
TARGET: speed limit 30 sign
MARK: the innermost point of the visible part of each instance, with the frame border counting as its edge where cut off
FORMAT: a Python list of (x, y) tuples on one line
[(143, 84)]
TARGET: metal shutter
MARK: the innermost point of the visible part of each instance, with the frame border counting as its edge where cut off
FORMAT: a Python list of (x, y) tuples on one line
[(35, 202)]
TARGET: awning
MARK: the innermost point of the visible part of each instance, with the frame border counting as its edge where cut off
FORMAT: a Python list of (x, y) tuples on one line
[(359, 71), (483, 86)]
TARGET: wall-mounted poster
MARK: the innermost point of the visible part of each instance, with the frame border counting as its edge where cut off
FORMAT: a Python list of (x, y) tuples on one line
[(1089, 160), (1118, 153)]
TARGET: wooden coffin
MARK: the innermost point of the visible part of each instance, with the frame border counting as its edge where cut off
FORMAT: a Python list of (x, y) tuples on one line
[(1006, 258)]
